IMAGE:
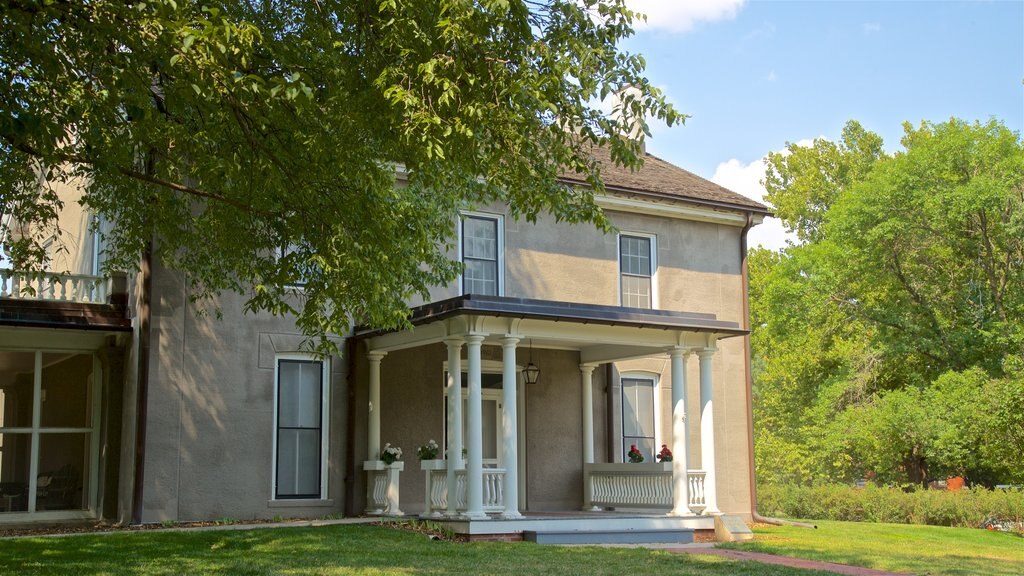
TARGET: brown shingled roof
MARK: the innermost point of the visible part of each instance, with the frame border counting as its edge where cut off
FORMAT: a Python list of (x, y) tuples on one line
[(663, 179)]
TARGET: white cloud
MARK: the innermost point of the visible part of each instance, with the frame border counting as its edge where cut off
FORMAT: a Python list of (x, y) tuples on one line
[(871, 27), (681, 16), (746, 179)]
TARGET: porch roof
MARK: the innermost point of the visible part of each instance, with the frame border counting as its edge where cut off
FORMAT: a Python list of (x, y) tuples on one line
[(526, 308), (66, 315)]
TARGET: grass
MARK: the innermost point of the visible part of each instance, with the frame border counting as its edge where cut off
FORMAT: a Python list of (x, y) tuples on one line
[(933, 550), (362, 550)]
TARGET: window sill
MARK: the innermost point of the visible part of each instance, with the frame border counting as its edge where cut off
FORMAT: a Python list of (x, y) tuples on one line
[(301, 503)]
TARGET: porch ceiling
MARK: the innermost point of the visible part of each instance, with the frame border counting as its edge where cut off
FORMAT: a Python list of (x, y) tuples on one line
[(599, 333)]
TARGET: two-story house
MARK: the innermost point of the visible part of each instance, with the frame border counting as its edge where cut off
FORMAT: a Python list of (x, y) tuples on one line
[(558, 350)]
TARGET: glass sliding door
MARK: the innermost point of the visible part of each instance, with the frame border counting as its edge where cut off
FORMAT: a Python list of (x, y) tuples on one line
[(49, 433)]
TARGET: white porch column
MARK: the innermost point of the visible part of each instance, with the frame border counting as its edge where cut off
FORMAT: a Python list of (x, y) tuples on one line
[(509, 429), (454, 456), (587, 377), (587, 372), (707, 432), (474, 436), (373, 434), (680, 435)]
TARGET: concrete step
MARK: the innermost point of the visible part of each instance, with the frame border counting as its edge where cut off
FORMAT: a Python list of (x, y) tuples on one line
[(655, 536)]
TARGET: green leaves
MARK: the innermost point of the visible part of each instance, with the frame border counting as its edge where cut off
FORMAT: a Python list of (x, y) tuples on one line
[(227, 132), (906, 292)]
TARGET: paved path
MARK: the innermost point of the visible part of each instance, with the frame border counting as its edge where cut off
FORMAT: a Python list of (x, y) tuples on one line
[(783, 561)]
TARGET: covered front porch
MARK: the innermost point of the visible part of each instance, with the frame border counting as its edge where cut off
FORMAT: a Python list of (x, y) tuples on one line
[(530, 450)]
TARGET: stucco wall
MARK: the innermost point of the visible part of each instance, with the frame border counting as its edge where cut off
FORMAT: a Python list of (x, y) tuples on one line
[(209, 437), (412, 412), (211, 381)]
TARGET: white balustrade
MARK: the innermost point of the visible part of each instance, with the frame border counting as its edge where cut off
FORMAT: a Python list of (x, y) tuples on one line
[(53, 287), (437, 488), (382, 495), (696, 480), (638, 486)]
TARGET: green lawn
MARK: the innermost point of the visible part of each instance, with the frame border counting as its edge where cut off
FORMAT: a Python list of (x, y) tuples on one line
[(930, 550), (341, 549)]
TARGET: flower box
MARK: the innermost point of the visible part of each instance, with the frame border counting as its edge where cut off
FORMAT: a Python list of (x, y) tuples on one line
[(380, 465)]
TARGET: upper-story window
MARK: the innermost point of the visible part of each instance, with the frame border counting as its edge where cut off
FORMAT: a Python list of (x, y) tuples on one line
[(481, 247), (636, 270), (302, 272)]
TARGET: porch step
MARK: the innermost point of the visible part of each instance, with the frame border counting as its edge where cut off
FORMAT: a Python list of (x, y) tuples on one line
[(653, 536)]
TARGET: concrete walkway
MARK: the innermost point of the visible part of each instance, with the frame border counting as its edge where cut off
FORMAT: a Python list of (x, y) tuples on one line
[(781, 560)]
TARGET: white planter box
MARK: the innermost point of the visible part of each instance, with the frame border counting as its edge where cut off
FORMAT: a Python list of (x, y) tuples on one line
[(380, 465), (435, 464)]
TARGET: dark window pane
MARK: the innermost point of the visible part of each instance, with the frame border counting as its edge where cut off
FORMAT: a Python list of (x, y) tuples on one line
[(15, 450), (65, 391), (16, 387), (63, 469), (300, 414), (638, 415)]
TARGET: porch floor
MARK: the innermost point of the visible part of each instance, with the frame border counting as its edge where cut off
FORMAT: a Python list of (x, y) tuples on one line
[(581, 521)]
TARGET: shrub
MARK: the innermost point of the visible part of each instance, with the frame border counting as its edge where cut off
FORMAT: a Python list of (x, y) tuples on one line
[(964, 508)]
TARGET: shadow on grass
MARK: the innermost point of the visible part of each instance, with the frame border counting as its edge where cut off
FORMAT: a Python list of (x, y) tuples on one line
[(341, 550)]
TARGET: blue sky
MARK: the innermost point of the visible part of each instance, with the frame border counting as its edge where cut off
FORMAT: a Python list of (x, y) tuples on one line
[(755, 75)]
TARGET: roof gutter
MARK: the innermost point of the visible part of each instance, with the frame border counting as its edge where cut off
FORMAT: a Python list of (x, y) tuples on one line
[(619, 189), (748, 374)]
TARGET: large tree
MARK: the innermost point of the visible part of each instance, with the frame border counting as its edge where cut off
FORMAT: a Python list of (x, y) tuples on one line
[(219, 132), (885, 340)]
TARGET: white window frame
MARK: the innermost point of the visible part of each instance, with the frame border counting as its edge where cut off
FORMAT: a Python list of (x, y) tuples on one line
[(654, 263), (96, 234), (500, 225), (280, 252), (656, 379), (325, 419), (36, 430)]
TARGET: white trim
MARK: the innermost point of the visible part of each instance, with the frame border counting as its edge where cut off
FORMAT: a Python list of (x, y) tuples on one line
[(654, 263), (655, 377), (95, 389), (681, 212), (500, 226), (325, 413), (295, 287), (37, 403), (95, 227)]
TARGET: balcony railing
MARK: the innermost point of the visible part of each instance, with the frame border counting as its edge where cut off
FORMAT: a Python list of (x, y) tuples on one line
[(53, 287), (437, 489), (639, 486)]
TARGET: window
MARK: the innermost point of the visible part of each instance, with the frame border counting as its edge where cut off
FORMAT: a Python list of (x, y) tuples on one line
[(289, 256), (636, 270), (300, 442), (481, 246), (49, 434), (639, 415)]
